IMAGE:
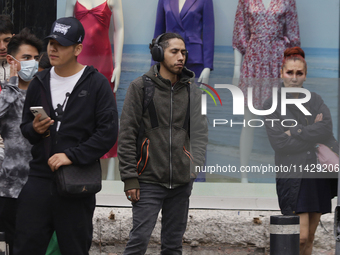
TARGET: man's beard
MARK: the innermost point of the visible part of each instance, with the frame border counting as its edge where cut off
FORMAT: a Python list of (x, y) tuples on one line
[(173, 71)]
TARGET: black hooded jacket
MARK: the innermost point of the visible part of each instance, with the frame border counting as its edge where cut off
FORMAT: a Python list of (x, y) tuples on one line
[(293, 151), (88, 127)]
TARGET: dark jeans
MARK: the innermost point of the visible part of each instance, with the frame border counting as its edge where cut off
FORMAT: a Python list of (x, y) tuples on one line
[(8, 210), (41, 210), (174, 204)]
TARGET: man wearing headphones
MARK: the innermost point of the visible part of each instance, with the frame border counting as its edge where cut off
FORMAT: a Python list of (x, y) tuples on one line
[(162, 137)]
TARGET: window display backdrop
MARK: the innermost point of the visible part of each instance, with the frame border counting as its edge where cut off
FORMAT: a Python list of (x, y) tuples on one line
[(37, 15), (319, 34)]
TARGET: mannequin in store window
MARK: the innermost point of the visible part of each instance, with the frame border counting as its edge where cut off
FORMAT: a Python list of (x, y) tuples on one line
[(97, 17), (263, 29), (194, 21)]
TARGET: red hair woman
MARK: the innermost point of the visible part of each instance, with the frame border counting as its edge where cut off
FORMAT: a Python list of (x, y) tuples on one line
[(299, 192)]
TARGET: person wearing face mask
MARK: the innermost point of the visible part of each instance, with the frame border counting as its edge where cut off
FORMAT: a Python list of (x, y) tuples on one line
[(300, 191), (22, 55)]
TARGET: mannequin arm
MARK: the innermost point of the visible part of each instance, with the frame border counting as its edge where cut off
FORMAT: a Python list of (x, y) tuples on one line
[(204, 77), (292, 25), (69, 8), (208, 34), (116, 76), (237, 67), (118, 40)]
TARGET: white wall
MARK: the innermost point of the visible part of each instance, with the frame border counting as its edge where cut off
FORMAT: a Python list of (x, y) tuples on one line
[(319, 21)]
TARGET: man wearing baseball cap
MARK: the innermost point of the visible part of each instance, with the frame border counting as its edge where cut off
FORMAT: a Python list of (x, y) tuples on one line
[(81, 128)]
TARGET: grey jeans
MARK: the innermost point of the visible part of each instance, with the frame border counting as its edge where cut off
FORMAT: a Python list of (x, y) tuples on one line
[(174, 204)]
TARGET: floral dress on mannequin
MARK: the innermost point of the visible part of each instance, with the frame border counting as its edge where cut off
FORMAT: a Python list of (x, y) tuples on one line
[(261, 35)]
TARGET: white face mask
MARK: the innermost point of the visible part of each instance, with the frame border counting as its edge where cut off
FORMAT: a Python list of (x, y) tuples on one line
[(28, 69)]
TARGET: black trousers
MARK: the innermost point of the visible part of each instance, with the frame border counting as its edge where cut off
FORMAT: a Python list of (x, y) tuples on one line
[(174, 204), (41, 210), (8, 210)]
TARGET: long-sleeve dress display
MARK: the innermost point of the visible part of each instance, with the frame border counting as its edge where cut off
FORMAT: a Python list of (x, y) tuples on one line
[(96, 45), (262, 35)]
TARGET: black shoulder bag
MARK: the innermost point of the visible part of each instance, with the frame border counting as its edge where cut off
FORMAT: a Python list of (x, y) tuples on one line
[(79, 180), (74, 180)]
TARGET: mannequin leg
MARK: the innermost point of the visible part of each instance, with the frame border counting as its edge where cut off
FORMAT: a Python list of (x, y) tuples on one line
[(246, 142), (111, 168)]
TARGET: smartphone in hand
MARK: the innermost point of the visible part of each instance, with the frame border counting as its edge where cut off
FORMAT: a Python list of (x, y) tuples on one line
[(39, 109)]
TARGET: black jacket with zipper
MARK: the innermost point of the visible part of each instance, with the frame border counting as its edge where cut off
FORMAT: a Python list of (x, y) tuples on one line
[(293, 151), (171, 153), (88, 127)]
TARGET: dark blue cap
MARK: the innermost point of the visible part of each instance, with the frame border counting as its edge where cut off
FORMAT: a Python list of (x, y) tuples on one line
[(67, 31)]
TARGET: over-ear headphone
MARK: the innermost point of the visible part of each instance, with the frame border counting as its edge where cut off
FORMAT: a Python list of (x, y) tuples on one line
[(157, 52)]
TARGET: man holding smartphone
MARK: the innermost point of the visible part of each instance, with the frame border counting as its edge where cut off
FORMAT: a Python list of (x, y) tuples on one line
[(81, 104), (22, 56)]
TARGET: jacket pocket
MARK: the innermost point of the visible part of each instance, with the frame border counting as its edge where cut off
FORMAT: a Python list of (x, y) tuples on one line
[(195, 50), (144, 156), (194, 39), (189, 155)]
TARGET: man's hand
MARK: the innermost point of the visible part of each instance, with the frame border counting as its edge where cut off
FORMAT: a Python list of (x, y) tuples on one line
[(58, 160), (13, 69), (133, 195), (41, 126)]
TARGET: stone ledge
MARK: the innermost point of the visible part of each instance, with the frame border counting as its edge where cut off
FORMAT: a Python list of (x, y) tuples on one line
[(212, 227), (187, 250)]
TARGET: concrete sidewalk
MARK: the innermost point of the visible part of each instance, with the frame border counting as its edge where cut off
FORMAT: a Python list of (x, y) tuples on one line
[(187, 250), (154, 249), (208, 232)]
